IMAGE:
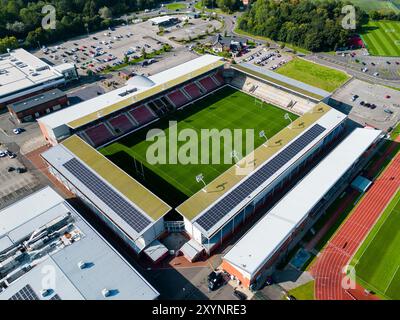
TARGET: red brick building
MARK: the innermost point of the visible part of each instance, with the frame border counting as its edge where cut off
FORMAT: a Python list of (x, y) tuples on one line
[(38, 105)]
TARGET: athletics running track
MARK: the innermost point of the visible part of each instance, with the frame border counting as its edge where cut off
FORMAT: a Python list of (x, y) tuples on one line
[(328, 268)]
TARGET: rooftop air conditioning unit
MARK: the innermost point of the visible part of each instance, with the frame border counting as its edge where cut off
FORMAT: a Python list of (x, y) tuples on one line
[(82, 265), (105, 292)]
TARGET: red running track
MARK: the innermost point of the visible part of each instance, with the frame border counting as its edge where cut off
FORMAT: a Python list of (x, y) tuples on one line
[(327, 270)]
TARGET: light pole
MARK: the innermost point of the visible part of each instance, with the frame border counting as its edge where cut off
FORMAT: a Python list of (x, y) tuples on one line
[(262, 134), (200, 178), (287, 117), (234, 155)]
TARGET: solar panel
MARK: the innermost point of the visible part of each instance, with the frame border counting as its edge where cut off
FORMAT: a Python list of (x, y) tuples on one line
[(26, 293), (215, 213), (106, 194)]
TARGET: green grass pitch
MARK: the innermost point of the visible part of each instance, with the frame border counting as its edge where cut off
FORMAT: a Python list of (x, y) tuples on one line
[(378, 269), (228, 108), (382, 38), (314, 74)]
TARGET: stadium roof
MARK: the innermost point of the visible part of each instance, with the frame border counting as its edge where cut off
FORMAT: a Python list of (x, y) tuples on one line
[(21, 70), (37, 100), (143, 204), (48, 211), (202, 202), (88, 111), (283, 81), (254, 249)]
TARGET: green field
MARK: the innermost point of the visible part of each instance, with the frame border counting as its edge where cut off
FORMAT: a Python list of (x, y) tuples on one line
[(314, 74), (377, 262), (304, 292), (226, 109), (382, 38), (377, 5), (175, 6)]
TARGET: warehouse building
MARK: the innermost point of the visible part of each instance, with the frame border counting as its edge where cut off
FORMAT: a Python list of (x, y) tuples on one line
[(39, 105), (212, 216), (23, 75), (129, 209), (49, 252), (256, 254)]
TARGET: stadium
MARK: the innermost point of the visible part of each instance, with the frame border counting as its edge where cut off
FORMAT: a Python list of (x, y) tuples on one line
[(99, 151)]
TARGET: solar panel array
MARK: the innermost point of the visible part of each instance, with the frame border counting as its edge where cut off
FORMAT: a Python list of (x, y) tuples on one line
[(215, 213), (26, 293), (55, 297), (106, 194)]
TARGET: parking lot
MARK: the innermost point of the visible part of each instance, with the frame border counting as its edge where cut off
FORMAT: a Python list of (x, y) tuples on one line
[(194, 28), (358, 98), (386, 67), (109, 47), (268, 58), (14, 185)]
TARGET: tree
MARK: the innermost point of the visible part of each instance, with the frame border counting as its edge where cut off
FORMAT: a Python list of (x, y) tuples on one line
[(105, 13), (8, 43)]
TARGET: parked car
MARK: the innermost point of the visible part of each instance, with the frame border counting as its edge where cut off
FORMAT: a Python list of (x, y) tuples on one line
[(21, 170), (215, 280), (2, 154), (239, 295), (17, 130), (10, 169), (290, 297)]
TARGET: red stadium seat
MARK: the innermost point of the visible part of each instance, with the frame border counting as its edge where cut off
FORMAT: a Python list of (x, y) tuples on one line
[(193, 90), (178, 98), (99, 134), (121, 123), (142, 114)]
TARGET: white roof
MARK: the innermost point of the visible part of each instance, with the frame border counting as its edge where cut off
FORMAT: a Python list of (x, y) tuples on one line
[(251, 252), (161, 19), (84, 108), (21, 70), (107, 268), (330, 121)]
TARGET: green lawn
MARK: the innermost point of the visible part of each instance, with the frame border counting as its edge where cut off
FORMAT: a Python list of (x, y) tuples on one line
[(314, 74), (375, 5), (175, 6), (377, 262), (227, 109), (382, 38), (304, 292)]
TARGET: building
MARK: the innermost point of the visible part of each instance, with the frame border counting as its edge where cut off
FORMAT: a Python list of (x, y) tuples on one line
[(38, 105), (23, 75), (255, 255), (132, 211), (164, 21), (210, 217), (231, 44), (138, 90), (49, 252)]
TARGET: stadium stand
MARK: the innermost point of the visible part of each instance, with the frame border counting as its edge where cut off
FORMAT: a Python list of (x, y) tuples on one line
[(178, 98), (142, 114), (193, 90), (273, 95), (167, 103), (99, 134), (218, 78), (208, 83), (121, 124)]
